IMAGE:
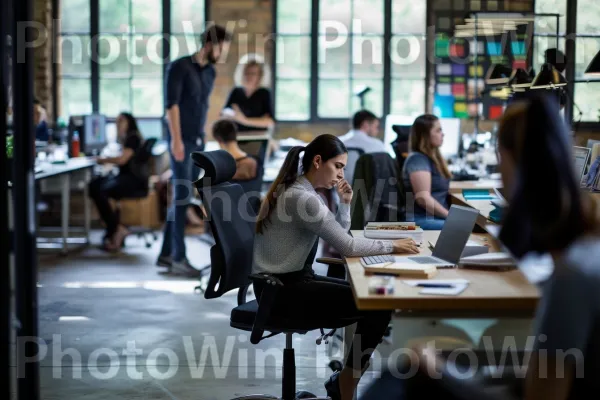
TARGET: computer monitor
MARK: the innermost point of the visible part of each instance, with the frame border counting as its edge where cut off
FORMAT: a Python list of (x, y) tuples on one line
[(452, 137), (581, 156), (92, 133)]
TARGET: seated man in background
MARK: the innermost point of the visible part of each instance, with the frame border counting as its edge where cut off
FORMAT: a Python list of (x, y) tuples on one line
[(363, 135), (39, 122), (225, 133)]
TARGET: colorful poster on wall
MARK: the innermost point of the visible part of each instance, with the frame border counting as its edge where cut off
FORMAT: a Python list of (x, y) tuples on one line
[(462, 62)]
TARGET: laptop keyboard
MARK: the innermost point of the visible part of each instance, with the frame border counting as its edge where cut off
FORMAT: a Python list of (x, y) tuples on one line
[(370, 260), (424, 260)]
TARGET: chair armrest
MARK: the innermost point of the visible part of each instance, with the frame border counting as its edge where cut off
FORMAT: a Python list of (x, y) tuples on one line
[(330, 261), (267, 299), (268, 278)]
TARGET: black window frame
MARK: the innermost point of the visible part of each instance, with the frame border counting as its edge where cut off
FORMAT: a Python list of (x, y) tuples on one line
[(314, 71), (94, 33)]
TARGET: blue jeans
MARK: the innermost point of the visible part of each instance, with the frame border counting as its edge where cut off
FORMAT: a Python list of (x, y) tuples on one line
[(428, 222), (184, 173)]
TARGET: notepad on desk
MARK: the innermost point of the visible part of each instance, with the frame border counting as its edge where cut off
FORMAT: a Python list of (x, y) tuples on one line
[(401, 269), (393, 230), (478, 194)]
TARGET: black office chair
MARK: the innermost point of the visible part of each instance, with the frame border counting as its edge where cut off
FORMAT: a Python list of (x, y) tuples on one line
[(141, 165), (377, 175), (231, 266)]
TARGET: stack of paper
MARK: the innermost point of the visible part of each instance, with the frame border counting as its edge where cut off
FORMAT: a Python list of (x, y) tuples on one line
[(393, 230), (494, 261)]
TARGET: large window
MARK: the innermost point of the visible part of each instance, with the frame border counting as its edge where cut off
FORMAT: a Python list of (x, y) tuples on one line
[(587, 45), (321, 66), (587, 95), (129, 50), (74, 47)]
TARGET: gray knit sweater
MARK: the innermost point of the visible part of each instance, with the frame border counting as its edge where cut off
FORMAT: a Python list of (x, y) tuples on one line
[(298, 220)]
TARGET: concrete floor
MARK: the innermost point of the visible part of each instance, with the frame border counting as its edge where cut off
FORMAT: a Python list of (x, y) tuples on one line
[(117, 327)]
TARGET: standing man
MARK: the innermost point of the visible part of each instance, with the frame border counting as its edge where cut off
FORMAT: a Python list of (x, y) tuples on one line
[(189, 82)]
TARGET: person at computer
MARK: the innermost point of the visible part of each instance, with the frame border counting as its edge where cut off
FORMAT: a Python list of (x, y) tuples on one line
[(127, 181), (546, 217), (250, 105), (425, 174), (225, 133), (292, 218), (363, 135), (188, 84)]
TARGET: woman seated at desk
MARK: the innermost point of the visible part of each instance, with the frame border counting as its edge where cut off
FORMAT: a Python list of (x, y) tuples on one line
[(547, 214), (250, 105), (225, 133), (425, 174), (292, 218), (118, 186)]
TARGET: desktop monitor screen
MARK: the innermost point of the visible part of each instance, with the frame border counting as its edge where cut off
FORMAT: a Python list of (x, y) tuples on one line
[(581, 156), (95, 130), (452, 137)]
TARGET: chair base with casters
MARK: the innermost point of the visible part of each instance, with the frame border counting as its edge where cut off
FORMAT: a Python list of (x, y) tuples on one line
[(255, 317)]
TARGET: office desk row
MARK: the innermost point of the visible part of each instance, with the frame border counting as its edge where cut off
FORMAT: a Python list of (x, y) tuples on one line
[(495, 305), (74, 174)]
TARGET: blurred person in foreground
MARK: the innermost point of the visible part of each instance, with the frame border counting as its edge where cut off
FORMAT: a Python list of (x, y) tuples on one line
[(547, 214)]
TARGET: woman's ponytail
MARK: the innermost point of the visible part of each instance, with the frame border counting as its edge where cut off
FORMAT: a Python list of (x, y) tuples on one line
[(287, 175)]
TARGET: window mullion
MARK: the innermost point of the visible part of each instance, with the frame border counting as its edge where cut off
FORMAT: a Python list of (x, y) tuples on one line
[(314, 64), (387, 60), (95, 67)]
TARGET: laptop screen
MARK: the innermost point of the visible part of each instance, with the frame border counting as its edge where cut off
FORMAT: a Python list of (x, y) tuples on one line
[(455, 233)]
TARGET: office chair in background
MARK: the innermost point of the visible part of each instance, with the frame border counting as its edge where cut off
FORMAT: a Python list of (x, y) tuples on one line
[(377, 175), (231, 266), (142, 164)]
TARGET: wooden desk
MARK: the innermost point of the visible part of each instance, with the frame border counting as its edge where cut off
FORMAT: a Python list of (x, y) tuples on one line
[(459, 186), (485, 207), (490, 294)]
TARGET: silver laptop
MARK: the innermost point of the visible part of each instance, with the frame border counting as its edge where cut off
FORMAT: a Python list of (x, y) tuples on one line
[(452, 240)]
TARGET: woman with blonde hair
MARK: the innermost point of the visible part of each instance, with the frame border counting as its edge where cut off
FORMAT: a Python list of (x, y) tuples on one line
[(425, 174), (250, 105)]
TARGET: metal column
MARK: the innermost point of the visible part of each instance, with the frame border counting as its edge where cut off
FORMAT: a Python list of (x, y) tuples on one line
[(24, 206)]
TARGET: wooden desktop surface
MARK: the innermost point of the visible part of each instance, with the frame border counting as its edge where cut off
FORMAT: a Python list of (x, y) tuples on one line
[(459, 186), (489, 293)]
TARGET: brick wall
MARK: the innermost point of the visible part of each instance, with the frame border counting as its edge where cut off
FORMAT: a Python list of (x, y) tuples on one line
[(42, 73), (251, 22)]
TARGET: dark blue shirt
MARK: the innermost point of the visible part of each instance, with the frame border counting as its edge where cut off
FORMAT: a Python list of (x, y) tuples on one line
[(189, 85), (439, 185), (41, 132)]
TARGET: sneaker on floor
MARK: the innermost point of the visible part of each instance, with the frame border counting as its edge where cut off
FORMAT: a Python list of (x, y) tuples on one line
[(184, 268), (164, 261)]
